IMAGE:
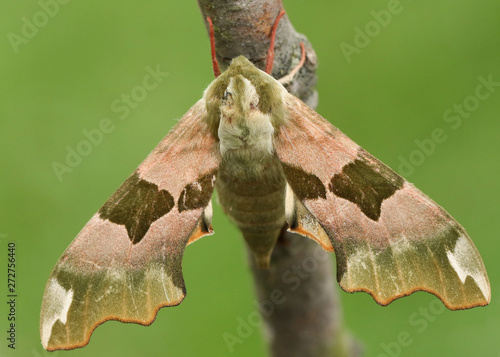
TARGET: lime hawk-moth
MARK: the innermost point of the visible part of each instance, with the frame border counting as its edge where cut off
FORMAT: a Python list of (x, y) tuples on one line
[(275, 164)]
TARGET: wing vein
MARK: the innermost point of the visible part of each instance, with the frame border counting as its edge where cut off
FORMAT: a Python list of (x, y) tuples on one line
[(164, 287), (445, 295)]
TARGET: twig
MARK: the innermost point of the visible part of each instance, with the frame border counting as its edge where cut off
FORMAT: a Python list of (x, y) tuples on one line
[(297, 295)]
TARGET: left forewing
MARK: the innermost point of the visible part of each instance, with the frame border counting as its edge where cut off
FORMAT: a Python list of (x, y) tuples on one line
[(125, 264), (389, 238)]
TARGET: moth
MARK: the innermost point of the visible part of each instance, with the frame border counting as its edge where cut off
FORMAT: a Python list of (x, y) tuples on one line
[(276, 164)]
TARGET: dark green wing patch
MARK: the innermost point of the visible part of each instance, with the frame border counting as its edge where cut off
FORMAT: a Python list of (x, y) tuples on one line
[(197, 194), (366, 183), (136, 205), (305, 186)]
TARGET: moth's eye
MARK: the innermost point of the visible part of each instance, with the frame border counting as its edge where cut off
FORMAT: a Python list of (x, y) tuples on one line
[(227, 95)]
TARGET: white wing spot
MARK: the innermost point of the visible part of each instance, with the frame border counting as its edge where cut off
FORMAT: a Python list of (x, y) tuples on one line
[(59, 300), (208, 212), (289, 204), (463, 260)]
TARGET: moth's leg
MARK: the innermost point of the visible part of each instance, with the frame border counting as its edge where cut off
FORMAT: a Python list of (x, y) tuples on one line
[(215, 64), (270, 52), (288, 78)]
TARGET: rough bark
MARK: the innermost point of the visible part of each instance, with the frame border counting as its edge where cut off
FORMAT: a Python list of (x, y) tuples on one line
[(298, 297)]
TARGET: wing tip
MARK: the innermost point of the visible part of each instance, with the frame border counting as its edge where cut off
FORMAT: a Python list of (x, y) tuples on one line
[(90, 331)]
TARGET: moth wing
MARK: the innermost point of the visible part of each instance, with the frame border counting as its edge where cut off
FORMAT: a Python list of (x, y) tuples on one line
[(389, 238), (125, 264)]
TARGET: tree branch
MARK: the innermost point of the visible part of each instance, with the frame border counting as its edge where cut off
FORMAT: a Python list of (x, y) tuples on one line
[(297, 295), (243, 28)]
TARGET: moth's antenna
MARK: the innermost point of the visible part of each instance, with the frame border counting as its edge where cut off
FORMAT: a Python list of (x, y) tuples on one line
[(215, 64), (270, 52)]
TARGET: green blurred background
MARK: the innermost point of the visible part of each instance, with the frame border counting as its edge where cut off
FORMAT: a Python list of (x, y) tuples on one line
[(396, 90)]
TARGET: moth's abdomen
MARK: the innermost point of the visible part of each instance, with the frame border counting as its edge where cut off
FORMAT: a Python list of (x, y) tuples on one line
[(254, 199)]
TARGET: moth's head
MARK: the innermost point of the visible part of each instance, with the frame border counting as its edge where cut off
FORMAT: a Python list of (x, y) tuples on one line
[(242, 125), (243, 90), (240, 100)]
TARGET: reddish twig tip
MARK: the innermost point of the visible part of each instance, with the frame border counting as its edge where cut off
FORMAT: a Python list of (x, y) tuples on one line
[(215, 64), (270, 52)]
